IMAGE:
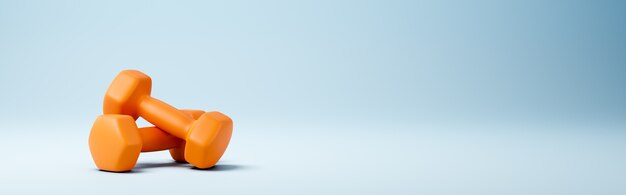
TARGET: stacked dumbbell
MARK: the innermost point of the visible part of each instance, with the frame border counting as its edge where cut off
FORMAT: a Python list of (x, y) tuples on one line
[(190, 135)]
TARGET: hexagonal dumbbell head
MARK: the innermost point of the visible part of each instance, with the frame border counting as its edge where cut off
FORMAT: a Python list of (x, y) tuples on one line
[(208, 139), (115, 143), (125, 92)]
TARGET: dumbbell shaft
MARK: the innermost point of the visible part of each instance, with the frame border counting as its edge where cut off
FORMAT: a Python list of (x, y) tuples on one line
[(165, 117), (155, 139)]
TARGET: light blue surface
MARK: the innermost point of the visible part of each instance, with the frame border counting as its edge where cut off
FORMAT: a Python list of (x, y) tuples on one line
[(514, 73)]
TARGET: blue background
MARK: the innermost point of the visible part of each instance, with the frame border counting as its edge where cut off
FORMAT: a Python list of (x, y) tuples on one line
[(531, 72)]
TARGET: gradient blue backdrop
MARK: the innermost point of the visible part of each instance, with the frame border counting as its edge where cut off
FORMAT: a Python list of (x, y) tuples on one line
[(350, 69), (322, 60)]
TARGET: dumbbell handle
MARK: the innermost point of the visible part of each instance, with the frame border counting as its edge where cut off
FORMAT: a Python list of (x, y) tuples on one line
[(165, 117), (154, 139)]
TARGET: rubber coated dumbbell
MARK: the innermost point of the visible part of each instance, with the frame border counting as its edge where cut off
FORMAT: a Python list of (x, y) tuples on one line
[(155, 139), (206, 138), (115, 141)]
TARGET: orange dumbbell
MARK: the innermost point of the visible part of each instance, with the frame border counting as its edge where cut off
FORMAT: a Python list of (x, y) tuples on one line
[(115, 141), (206, 138), (155, 139)]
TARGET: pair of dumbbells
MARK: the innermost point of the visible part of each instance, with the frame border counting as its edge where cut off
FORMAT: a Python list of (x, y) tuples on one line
[(115, 141)]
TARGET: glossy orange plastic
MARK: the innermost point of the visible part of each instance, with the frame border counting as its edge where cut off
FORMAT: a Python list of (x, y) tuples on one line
[(206, 138)]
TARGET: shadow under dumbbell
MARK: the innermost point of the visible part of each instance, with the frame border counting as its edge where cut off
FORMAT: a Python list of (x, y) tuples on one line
[(222, 168), (142, 166), (124, 172)]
